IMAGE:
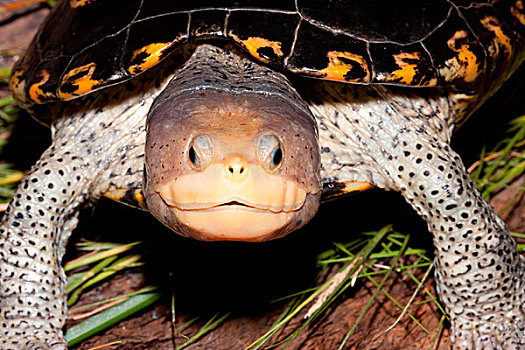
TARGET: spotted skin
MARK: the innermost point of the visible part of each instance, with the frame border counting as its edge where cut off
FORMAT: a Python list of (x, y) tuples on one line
[(381, 137), (402, 144), (97, 149), (390, 138)]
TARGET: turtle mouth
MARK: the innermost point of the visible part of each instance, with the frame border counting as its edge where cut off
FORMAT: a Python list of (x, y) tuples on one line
[(233, 221), (234, 204), (291, 204), (247, 212), (231, 206)]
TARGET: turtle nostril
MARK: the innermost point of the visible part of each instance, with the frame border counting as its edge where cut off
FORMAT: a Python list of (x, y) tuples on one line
[(236, 168), (231, 169)]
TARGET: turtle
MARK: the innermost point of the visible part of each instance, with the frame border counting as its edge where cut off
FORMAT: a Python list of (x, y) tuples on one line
[(233, 121)]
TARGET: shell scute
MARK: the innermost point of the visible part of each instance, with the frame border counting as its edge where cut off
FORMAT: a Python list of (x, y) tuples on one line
[(457, 54), (267, 36), (334, 58), (78, 81), (451, 43), (146, 57), (146, 45), (410, 65)]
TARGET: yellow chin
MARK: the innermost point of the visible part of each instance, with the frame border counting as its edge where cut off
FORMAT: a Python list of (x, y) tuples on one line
[(213, 187), (255, 206), (234, 222)]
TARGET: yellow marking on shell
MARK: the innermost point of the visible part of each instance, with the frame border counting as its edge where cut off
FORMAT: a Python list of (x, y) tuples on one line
[(35, 90), (83, 84), (517, 11), (18, 86), (254, 43), (501, 40), (464, 65), (345, 188), (118, 196), (406, 71), (139, 197), (356, 186), (79, 3), (115, 195), (337, 68), (154, 53)]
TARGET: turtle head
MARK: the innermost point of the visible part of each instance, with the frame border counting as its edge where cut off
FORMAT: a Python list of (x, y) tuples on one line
[(231, 167)]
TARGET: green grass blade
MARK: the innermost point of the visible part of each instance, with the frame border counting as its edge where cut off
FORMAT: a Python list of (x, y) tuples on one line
[(399, 305), (144, 290), (4, 74), (437, 332), (99, 256), (109, 317), (99, 273), (79, 278), (85, 245), (379, 287), (211, 324), (360, 257), (122, 263)]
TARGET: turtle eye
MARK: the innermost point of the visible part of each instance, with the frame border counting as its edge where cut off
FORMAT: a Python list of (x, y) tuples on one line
[(269, 152), (200, 152), (194, 158), (277, 155)]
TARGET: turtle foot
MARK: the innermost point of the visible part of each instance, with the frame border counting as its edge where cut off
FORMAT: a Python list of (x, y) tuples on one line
[(37, 345), (34, 341), (32, 344), (494, 335)]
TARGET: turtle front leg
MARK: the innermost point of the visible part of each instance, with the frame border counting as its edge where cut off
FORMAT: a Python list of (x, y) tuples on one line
[(96, 149), (33, 234), (399, 141)]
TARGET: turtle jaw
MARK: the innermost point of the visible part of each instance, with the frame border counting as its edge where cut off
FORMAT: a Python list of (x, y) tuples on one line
[(259, 208), (233, 222)]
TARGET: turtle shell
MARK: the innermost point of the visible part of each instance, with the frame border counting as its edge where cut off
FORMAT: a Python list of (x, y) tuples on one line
[(85, 45)]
